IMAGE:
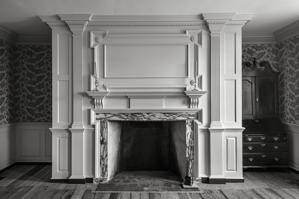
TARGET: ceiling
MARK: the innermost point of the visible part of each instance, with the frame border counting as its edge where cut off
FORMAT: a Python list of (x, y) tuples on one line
[(20, 16)]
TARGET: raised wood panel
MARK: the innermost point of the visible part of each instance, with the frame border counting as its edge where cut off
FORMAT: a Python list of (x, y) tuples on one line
[(29, 143), (7, 145), (33, 142), (230, 100), (63, 59), (248, 98), (146, 61), (62, 153), (147, 103), (62, 102), (230, 52), (266, 96), (231, 154)]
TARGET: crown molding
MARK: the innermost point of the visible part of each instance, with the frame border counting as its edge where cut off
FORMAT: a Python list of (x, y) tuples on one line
[(288, 31), (52, 20), (146, 20), (228, 18), (254, 39)]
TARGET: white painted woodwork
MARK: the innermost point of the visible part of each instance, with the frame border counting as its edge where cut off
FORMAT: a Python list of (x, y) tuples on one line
[(226, 96), (60, 153), (130, 63), (33, 142), (293, 140), (7, 145)]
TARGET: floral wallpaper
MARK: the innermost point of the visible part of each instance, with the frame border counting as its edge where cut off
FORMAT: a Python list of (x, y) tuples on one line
[(288, 54), (283, 56), (25, 83), (4, 81)]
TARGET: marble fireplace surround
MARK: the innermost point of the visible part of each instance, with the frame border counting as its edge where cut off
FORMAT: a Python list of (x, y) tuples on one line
[(103, 117)]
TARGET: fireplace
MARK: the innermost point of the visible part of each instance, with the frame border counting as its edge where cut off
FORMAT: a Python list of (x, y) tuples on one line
[(110, 71), (175, 129), (146, 146)]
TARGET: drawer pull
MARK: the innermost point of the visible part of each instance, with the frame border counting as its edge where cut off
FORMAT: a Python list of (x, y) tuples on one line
[(276, 147), (263, 138), (276, 138), (250, 148), (250, 159), (249, 139), (263, 156), (276, 159), (263, 145)]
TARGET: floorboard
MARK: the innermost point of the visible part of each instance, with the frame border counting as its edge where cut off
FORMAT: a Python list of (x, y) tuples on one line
[(32, 181)]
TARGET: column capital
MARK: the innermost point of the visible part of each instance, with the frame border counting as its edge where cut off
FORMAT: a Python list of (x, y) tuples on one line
[(52, 20), (217, 21), (76, 22)]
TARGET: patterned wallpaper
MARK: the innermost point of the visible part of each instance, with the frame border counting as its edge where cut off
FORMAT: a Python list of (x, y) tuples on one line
[(283, 56), (4, 81), (32, 85), (288, 61), (25, 83)]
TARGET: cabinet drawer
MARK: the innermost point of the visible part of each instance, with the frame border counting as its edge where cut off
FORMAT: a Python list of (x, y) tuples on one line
[(264, 138), (273, 159), (254, 138), (264, 147)]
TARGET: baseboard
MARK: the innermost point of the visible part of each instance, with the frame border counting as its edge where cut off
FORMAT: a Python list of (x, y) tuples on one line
[(7, 167), (73, 181), (33, 163), (208, 180)]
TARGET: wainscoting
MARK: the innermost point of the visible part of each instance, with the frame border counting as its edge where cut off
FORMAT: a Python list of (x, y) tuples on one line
[(7, 145), (24, 142), (293, 139)]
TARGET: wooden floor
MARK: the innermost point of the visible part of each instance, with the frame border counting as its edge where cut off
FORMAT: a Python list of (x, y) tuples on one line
[(32, 181)]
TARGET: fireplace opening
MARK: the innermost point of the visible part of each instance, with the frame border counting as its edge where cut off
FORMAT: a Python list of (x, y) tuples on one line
[(146, 149)]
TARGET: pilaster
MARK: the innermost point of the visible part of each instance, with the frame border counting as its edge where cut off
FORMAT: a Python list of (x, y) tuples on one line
[(226, 95), (77, 25)]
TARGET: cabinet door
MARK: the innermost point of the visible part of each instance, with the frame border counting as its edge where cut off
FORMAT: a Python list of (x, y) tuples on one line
[(248, 97), (265, 97)]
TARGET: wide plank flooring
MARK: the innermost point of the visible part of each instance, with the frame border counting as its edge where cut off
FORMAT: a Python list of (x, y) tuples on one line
[(32, 181)]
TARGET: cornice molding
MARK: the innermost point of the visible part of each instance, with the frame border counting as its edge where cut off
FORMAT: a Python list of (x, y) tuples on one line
[(288, 31), (52, 20), (76, 22), (254, 39), (147, 20), (228, 18)]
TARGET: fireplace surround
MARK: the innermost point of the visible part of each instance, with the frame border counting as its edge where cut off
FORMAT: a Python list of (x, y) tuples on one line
[(111, 69)]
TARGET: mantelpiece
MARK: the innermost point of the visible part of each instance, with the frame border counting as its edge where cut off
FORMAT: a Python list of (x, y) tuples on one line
[(147, 64)]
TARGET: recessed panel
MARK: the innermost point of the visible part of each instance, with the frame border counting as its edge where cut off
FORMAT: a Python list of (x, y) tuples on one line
[(145, 61), (63, 101), (230, 100), (231, 154), (230, 53), (62, 154)]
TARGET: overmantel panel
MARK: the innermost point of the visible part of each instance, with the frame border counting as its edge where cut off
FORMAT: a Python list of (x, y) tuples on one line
[(145, 58)]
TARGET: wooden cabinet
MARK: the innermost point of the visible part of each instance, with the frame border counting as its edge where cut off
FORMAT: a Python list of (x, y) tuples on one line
[(264, 139), (259, 93)]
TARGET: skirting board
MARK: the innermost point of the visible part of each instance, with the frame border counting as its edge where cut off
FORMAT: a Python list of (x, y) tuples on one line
[(221, 180), (73, 181)]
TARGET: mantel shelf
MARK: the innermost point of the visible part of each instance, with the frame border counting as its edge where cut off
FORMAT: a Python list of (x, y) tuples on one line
[(96, 94)]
